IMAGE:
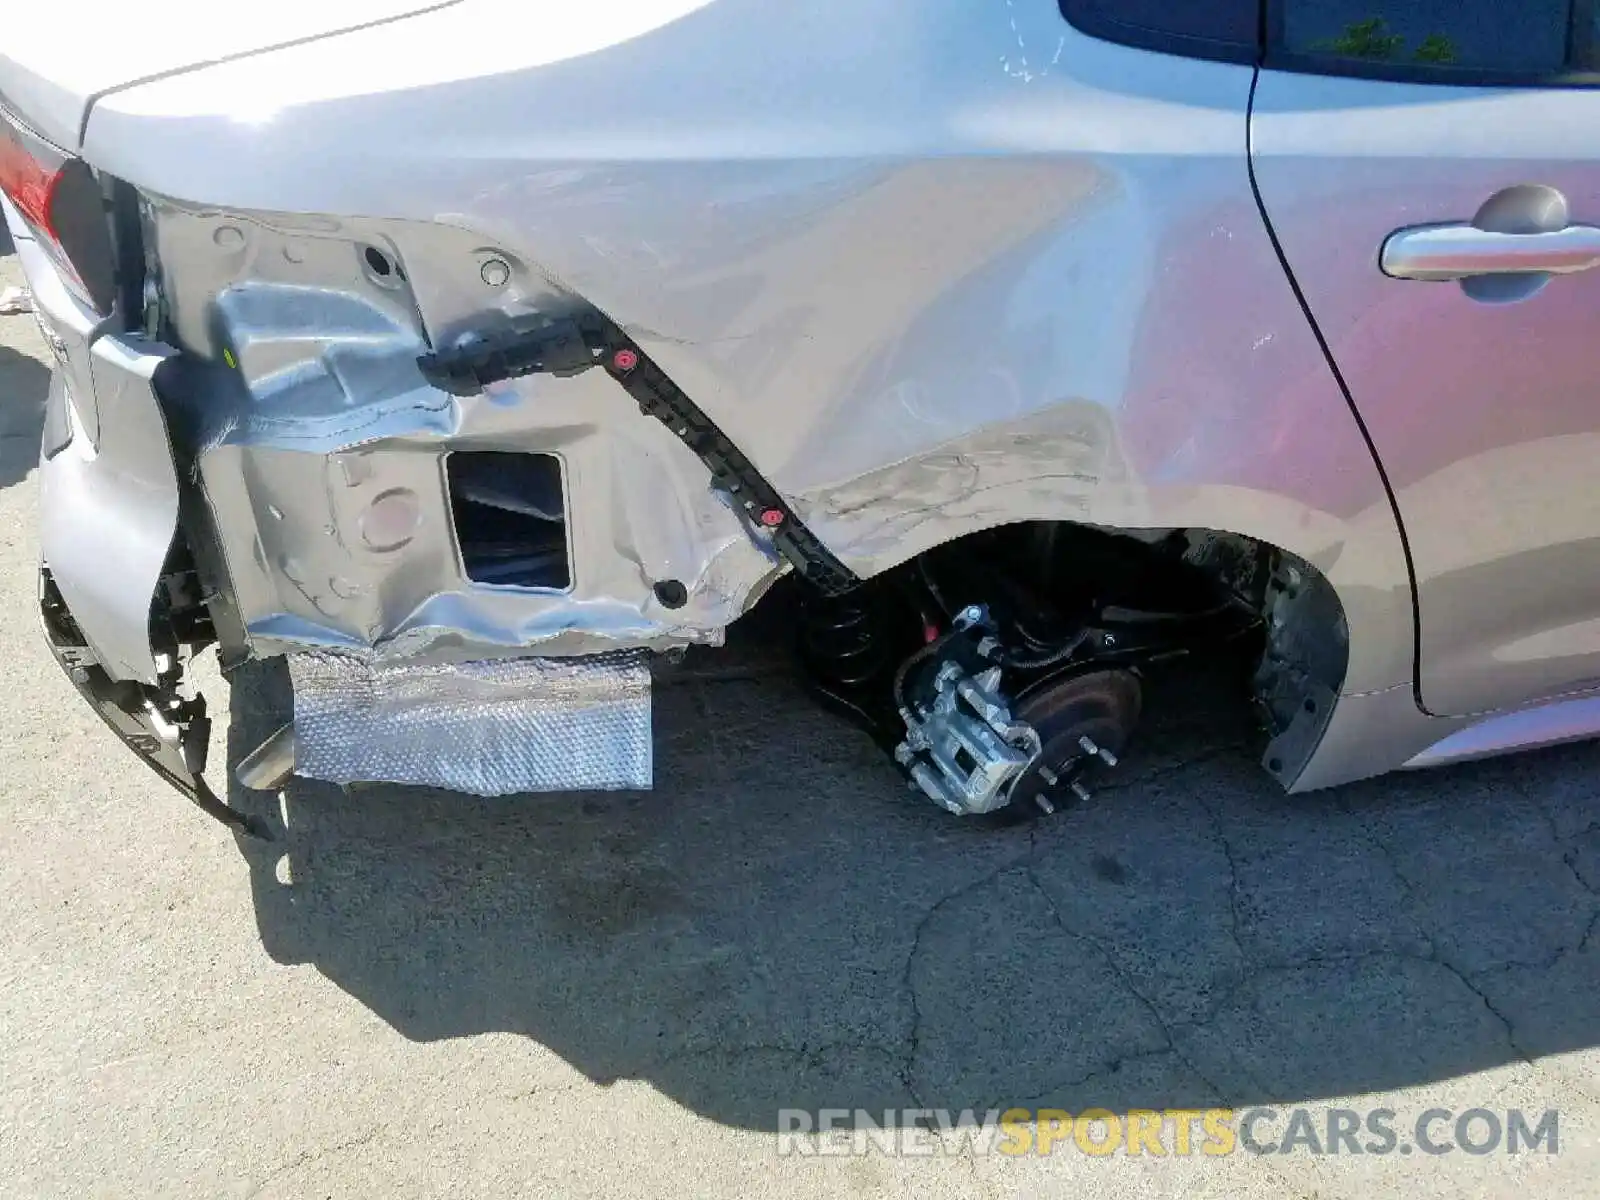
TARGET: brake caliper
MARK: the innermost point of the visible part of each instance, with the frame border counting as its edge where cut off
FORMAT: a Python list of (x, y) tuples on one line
[(963, 747)]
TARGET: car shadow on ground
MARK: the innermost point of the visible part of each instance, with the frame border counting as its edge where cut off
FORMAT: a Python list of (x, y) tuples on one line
[(781, 925), (24, 384)]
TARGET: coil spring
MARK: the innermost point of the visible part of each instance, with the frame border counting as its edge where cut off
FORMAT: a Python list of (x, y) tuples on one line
[(841, 638)]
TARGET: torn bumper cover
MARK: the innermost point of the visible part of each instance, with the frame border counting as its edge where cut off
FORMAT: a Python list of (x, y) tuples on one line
[(170, 733), (485, 728), (109, 504)]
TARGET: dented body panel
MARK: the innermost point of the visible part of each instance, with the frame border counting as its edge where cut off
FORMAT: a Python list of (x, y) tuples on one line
[(933, 267), (941, 267), (319, 449)]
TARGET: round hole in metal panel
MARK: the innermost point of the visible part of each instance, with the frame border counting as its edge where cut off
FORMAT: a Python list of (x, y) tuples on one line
[(381, 268), (671, 593), (391, 520)]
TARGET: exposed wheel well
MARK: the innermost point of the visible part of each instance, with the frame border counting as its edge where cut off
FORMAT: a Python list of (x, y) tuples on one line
[(1292, 638)]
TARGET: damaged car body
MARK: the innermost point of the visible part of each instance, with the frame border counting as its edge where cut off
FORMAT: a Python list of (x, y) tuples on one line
[(469, 377)]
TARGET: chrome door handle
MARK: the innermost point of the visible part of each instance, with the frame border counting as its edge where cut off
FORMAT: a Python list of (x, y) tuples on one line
[(1436, 253)]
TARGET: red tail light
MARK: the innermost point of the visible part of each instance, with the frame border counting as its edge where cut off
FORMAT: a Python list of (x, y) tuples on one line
[(62, 203), (27, 182)]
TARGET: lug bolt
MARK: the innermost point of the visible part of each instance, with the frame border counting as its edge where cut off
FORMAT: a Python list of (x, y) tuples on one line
[(1049, 776), (1081, 792), (1090, 746), (1044, 804)]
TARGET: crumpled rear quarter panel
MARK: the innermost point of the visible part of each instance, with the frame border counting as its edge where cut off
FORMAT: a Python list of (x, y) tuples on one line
[(934, 265), (320, 449)]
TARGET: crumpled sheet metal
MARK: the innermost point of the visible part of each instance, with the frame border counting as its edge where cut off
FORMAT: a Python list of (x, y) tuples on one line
[(488, 728)]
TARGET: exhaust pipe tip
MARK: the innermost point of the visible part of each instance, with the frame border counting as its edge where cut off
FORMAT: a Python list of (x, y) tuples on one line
[(268, 767)]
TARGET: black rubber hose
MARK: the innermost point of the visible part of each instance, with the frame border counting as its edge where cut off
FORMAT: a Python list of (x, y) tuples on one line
[(919, 656), (1059, 655)]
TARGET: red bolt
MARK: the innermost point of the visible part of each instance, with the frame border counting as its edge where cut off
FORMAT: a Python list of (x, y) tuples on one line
[(772, 517), (625, 360)]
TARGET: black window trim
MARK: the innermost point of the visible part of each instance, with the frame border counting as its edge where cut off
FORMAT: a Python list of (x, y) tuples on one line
[(1269, 54), (1580, 47), (1082, 16)]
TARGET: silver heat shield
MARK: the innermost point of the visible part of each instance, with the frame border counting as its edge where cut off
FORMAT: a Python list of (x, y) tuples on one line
[(488, 728)]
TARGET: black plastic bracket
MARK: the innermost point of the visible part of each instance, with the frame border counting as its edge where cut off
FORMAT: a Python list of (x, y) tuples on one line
[(568, 346), (549, 347)]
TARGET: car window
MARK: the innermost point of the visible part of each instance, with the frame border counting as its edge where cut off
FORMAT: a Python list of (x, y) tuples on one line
[(1530, 38), (1222, 29)]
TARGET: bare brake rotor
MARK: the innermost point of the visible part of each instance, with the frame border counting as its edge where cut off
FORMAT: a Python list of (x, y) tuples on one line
[(1084, 722)]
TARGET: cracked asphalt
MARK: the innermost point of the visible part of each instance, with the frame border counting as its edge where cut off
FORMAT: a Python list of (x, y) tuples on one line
[(413, 993)]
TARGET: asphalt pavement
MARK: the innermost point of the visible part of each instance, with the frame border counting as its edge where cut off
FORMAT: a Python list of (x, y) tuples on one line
[(414, 993)]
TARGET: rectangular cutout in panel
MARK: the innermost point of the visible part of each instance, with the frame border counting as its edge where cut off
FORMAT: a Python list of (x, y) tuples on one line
[(510, 517)]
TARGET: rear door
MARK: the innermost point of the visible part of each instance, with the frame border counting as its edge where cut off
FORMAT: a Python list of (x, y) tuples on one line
[(1431, 169)]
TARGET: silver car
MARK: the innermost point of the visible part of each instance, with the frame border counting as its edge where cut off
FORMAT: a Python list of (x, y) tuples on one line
[(474, 355)]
